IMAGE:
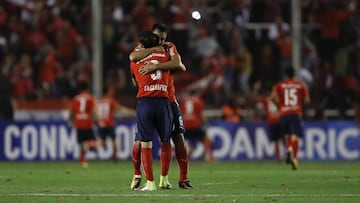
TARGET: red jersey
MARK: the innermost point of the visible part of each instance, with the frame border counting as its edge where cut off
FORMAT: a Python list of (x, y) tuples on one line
[(291, 94), (171, 89), (191, 109), (171, 48), (270, 109), (172, 51), (154, 84), (82, 107), (105, 109)]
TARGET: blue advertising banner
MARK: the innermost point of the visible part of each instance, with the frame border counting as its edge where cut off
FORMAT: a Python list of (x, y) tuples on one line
[(48, 141)]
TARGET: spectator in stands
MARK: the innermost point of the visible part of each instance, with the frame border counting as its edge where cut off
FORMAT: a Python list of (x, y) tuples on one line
[(21, 79), (49, 68), (6, 103)]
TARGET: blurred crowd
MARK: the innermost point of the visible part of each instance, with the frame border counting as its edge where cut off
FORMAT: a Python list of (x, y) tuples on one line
[(46, 47)]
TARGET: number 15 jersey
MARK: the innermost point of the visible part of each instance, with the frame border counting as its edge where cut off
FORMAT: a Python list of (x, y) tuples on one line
[(291, 95)]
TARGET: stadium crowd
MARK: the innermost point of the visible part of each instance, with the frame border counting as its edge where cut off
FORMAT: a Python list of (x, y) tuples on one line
[(46, 47)]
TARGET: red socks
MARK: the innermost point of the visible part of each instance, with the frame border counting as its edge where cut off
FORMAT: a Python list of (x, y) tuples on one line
[(136, 159), (82, 155), (292, 144), (165, 158), (295, 145), (288, 143), (277, 151), (183, 161), (115, 157), (147, 160)]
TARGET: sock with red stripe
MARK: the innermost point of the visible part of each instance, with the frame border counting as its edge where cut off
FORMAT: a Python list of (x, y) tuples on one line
[(147, 161), (183, 161), (165, 157), (295, 145), (82, 155), (136, 159), (115, 157)]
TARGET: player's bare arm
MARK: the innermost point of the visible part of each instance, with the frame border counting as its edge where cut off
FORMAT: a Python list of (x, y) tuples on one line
[(126, 111), (274, 97), (134, 81), (174, 64), (139, 54)]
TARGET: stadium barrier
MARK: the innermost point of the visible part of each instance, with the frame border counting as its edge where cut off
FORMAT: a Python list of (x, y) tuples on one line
[(55, 141)]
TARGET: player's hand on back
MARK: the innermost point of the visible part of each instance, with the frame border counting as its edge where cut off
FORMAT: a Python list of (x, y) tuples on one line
[(148, 68)]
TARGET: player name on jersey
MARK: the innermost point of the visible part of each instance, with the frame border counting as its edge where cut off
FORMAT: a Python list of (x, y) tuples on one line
[(159, 87)]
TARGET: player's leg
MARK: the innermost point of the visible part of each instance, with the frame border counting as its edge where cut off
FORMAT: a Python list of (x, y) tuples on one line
[(102, 134), (296, 133), (295, 149), (208, 145), (83, 149), (181, 152), (85, 136), (276, 137), (164, 128), (147, 161), (286, 132), (289, 149), (111, 135), (136, 149), (136, 160), (181, 155), (165, 158)]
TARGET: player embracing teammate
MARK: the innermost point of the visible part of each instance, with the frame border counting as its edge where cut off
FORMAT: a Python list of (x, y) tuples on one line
[(177, 133)]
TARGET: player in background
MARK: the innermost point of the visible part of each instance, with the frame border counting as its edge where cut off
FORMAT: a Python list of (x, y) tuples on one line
[(290, 95), (153, 109), (179, 129), (192, 109), (106, 108), (82, 115), (266, 107)]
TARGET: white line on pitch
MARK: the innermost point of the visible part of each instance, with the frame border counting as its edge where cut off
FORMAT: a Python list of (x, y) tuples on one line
[(181, 195)]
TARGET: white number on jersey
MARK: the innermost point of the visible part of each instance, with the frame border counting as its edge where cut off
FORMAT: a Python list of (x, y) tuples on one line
[(103, 110), (189, 107), (157, 75), (290, 97), (82, 104)]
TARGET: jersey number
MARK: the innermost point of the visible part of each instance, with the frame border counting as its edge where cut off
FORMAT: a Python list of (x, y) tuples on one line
[(189, 107), (158, 74), (103, 110), (290, 97), (82, 104)]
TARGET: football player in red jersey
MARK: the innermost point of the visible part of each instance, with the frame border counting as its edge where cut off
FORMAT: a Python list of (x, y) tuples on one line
[(290, 95), (106, 108), (82, 114), (153, 109), (177, 134), (268, 108), (192, 108)]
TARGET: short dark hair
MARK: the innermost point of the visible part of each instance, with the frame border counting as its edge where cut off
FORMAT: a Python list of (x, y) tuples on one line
[(148, 39), (290, 72), (159, 26)]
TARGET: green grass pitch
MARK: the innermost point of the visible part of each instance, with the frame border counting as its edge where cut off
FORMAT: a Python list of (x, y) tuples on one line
[(240, 181)]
